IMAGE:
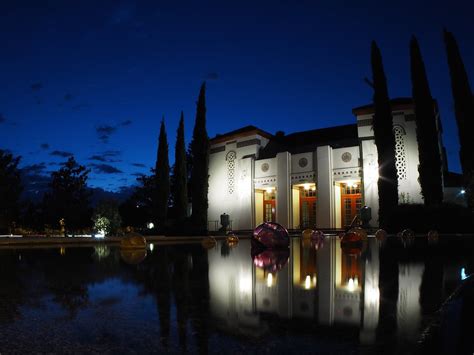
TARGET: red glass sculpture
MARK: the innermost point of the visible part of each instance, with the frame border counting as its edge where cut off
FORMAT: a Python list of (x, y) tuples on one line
[(271, 235)]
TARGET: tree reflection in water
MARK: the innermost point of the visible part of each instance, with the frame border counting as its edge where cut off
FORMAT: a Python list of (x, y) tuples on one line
[(179, 274), (12, 287), (188, 299)]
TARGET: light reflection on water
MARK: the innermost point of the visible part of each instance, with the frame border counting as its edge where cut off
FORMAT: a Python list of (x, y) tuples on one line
[(186, 298)]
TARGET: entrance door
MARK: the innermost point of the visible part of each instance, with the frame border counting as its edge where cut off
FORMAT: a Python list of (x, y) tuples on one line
[(307, 208), (351, 202), (269, 210)]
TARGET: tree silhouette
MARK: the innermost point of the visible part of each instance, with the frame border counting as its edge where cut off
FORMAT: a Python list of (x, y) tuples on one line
[(180, 176), (69, 196), (10, 189), (464, 109), (426, 130), (162, 171), (384, 140), (138, 209), (200, 168)]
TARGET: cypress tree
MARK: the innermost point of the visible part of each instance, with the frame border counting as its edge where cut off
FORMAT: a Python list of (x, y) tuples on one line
[(162, 179), (464, 110), (180, 175), (384, 140), (200, 166), (426, 131)]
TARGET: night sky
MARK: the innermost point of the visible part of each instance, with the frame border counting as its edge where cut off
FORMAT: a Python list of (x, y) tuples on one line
[(94, 78)]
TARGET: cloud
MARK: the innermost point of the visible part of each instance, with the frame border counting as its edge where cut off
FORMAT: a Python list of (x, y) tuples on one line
[(34, 168), (138, 174), (105, 169), (44, 146), (68, 97), (139, 165), (2, 118), (61, 153), (98, 158), (104, 132), (212, 76), (36, 86), (111, 153), (105, 157)]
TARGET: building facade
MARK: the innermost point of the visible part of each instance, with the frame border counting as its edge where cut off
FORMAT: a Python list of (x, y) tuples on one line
[(318, 178)]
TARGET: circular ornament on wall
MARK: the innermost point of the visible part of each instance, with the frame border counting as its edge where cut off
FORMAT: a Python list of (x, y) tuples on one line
[(303, 162), (346, 157), (265, 167)]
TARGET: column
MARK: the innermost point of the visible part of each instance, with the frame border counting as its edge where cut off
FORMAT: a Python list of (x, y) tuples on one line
[(325, 216), (283, 197)]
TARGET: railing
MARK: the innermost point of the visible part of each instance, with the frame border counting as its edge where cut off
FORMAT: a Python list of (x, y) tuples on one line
[(213, 226)]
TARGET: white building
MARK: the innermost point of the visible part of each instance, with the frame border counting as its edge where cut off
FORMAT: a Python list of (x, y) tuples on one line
[(313, 178)]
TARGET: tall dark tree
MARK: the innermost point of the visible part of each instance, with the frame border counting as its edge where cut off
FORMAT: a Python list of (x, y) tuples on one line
[(69, 197), (384, 140), (138, 209), (426, 130), (200, 166), (162, 171), (10, 189), (464, 109), (180, 176)]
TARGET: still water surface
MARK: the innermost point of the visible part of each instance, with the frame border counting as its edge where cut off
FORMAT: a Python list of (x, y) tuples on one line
[(313, 299)]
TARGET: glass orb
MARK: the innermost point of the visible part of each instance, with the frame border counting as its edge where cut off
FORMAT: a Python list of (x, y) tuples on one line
[(271, 235)]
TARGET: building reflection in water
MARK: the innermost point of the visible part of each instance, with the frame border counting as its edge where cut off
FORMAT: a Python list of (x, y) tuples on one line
[(330, 285)]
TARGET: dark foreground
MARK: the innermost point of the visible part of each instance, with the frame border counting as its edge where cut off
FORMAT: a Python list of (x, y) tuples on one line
[(316, 298)]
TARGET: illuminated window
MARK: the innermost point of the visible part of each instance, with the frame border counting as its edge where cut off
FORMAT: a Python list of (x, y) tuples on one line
[(231, 171)]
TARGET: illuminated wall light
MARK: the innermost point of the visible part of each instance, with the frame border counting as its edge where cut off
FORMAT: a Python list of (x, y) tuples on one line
[(151, 246), (306, 186), (356, 282), (350, 285), (269, 280), (307, 282), (371, 173), (463, 192), (150, 225), (269, 190), (245, 284), (463, 274), (313, 188), (354, 185), (314, 281), (373, 295)]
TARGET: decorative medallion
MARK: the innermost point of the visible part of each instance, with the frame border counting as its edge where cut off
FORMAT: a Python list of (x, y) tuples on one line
[(346, 157), (303, 162), (265, 167)]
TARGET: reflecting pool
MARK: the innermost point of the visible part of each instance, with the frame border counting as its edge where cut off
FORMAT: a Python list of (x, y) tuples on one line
[(314, 298)]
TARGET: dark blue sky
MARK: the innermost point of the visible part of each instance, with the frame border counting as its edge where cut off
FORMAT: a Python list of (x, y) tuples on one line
[(94, 78)]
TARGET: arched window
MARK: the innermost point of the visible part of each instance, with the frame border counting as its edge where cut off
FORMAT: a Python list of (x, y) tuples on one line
[(230, 158), (400, 153)]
